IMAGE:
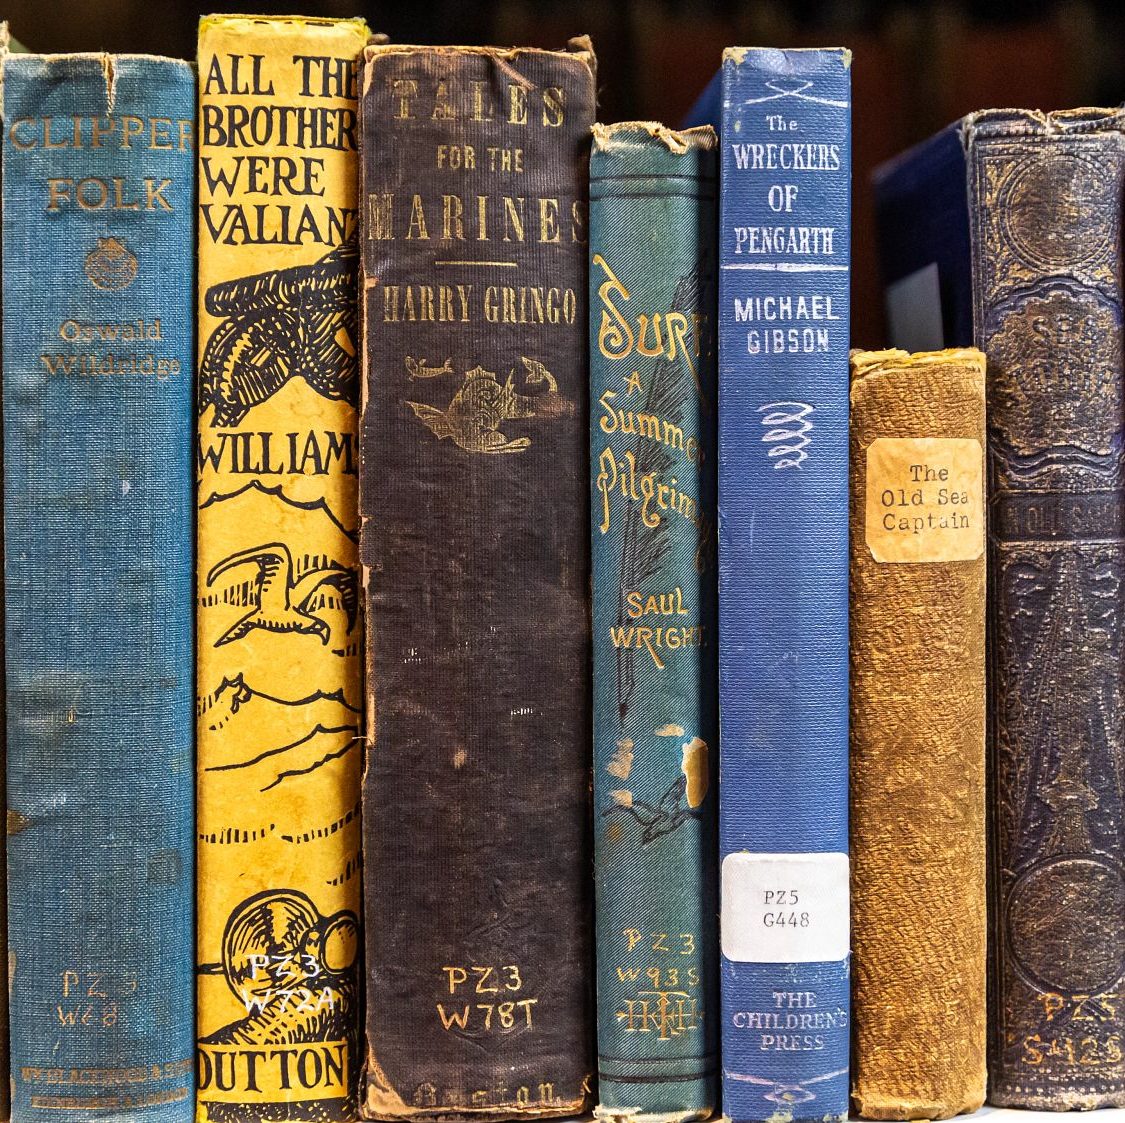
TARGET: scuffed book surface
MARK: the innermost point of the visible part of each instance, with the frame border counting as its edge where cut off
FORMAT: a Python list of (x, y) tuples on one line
[(784, 243), (918, 733), (98, 163), (652, 431), (475, 550), (1045, 193)]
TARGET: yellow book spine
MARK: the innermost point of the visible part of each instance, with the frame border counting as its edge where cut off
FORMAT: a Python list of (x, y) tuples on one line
[(279, 634)]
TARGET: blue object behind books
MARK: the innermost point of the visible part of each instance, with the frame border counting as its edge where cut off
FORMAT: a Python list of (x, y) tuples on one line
[(98, 164), (784, 122), (921, 200)]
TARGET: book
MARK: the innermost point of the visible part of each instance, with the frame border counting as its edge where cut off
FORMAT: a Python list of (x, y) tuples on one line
[(279, 636), (98, 201), (476, 563), (784, 124), (7, 46), (1003, 230), (918, 733), (652, 467)]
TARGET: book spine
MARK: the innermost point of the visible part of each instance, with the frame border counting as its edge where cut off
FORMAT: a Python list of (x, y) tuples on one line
[(652, 428), (918, 733), (6, 46), (783, 581), (279, 639), (476, 556), (1045, 198), (98, 200)]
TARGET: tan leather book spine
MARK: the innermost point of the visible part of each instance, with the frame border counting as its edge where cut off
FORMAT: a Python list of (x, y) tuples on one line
[(918, 733)]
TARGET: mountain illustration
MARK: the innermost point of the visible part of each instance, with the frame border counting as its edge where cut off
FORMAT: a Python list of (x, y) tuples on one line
[(234, 696), (281, 758), (278, 492)]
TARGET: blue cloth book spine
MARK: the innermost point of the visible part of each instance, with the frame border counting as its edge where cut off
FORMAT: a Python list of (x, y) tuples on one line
[(98, 294), (652, 428), (784, 125)]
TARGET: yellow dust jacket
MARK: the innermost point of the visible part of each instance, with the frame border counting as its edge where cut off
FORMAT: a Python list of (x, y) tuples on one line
[(279, 634)]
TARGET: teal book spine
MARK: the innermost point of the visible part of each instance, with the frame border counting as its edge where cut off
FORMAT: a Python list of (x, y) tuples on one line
[(652, 432), (98, 294), (6, 47)]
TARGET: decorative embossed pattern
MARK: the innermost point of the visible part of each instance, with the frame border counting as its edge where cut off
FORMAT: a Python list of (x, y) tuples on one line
[(1046, 196), (917, 749), (476, 558)]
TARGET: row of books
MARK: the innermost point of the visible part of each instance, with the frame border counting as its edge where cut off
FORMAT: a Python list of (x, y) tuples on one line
[(526, 450)]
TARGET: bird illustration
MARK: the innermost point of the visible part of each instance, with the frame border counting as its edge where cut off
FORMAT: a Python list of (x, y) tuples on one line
[(666, 817), (282, 602)]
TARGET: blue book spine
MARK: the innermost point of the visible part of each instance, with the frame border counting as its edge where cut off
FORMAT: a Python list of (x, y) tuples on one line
[(783, 581), (652, 365), (97, 426)]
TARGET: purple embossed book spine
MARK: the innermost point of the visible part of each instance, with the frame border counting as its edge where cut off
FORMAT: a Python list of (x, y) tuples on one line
[(1013, 220)]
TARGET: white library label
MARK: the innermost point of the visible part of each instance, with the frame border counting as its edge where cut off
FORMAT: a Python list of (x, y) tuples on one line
[(785, 908)]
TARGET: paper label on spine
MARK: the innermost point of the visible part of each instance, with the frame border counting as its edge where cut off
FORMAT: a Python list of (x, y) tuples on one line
[(785, 908), (925, 499)]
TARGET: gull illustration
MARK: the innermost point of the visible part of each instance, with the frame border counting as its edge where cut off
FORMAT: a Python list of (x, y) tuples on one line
[(282, 603)]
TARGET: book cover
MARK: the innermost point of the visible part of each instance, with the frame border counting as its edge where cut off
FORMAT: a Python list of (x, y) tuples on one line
[(7, 46), (279, 706), (918, 733), (476, 560), (784, 240), (1035, 259), (98, 202), (653, 209)]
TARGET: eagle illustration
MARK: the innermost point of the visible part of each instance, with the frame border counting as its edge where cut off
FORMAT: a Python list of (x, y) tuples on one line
[(282, 602), (289, 323)]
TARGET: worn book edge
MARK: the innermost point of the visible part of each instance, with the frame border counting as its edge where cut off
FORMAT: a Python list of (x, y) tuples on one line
[(378, 1099), (579, 48), (739, 54), (677, 141), (225, 19), (867, 364)]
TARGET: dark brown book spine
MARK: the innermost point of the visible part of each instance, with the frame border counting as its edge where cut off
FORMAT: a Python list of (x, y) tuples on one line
[(475, 548), (1047, 286)]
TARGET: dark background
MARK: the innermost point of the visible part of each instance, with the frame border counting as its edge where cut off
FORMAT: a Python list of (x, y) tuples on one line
[(916, 67)]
